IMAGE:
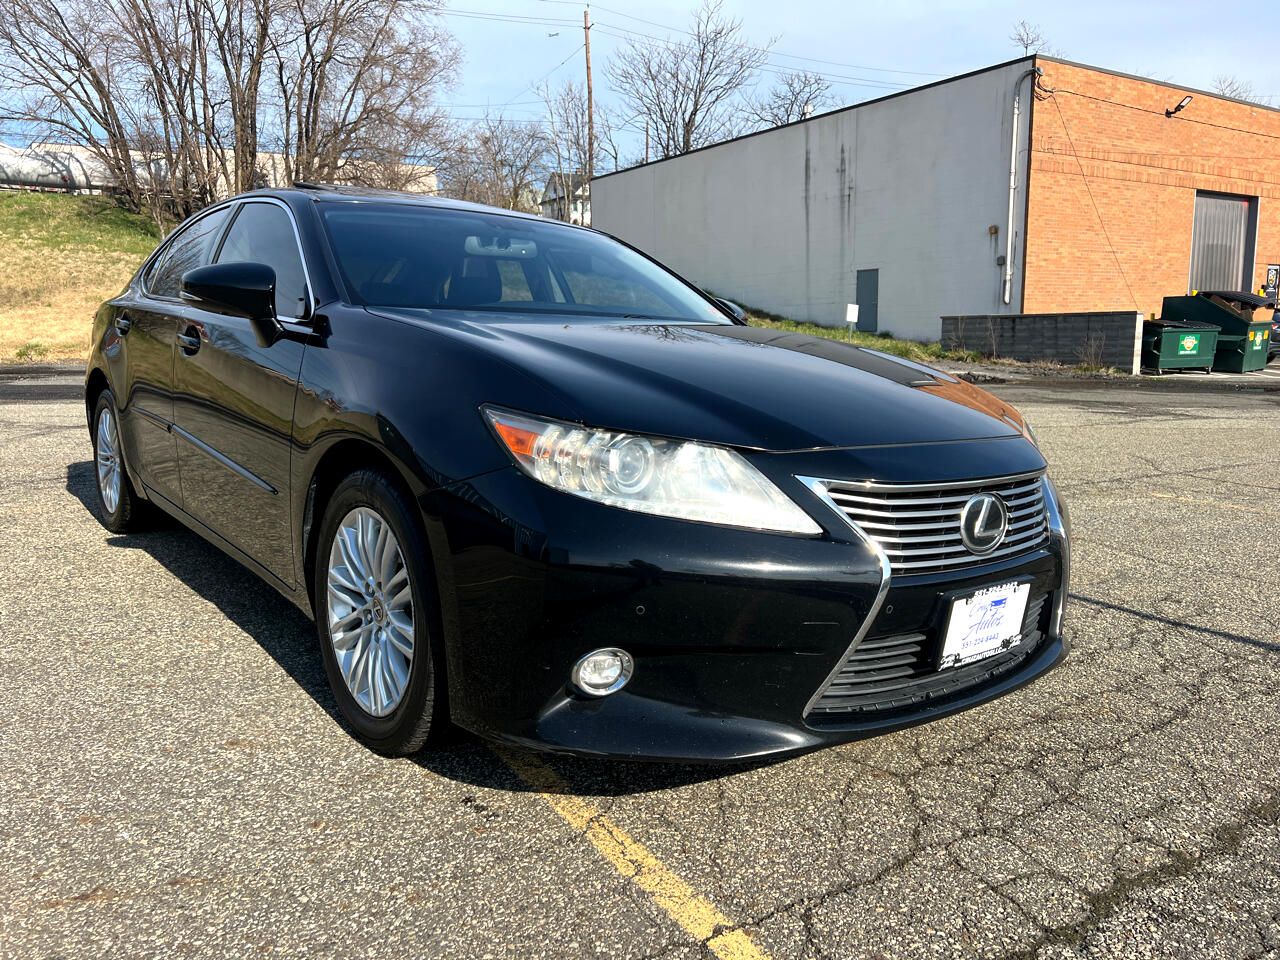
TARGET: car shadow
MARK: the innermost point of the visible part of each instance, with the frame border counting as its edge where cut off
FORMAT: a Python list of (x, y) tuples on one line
[(1257, 642), (288, 637)]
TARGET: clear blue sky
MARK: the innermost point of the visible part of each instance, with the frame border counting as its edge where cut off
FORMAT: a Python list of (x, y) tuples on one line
[(880, 46)]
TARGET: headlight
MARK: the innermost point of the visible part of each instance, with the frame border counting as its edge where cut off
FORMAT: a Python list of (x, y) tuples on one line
[(670, 478)]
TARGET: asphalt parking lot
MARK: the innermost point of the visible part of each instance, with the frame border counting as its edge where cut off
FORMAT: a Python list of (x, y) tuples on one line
[(173, 780)]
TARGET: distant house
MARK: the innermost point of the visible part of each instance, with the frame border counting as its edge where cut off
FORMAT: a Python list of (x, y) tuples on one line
[(566, 198)]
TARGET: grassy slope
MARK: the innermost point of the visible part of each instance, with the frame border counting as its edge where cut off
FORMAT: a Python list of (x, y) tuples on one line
[(911, 349), (61, 256)]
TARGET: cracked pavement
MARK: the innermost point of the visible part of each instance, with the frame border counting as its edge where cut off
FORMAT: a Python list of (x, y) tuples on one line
[(173, 779)]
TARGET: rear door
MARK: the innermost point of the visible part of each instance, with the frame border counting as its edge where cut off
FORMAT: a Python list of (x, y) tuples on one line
[(233, 405), (148, 324)]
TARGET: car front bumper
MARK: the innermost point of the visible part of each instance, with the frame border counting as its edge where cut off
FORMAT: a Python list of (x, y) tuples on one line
[(734, 633)]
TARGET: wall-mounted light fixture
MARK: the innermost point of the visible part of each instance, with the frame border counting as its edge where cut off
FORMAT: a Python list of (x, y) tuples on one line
[(1180, 107)]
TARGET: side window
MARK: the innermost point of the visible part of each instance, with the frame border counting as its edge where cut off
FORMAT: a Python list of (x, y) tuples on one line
[(263, 233), (191, 248)]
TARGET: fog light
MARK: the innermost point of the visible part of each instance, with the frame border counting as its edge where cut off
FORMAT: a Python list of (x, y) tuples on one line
[(602, 672)]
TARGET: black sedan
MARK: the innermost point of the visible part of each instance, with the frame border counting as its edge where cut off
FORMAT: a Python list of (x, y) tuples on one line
[(528, 481)]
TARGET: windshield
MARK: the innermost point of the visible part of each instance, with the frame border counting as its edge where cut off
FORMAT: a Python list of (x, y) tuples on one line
[(401, 255)]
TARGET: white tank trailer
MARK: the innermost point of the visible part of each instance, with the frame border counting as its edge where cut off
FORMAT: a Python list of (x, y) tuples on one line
[(52, 167)]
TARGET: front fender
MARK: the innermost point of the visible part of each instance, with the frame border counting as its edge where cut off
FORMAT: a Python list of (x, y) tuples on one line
[(394, 389)]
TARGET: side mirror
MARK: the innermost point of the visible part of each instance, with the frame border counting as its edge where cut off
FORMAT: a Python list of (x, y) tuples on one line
[(238, 290), (738, 313)]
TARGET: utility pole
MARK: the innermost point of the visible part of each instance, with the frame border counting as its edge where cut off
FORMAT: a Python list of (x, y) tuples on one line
[(591, 120), (646, 140)]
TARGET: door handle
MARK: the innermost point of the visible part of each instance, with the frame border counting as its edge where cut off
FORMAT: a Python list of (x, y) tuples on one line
[(123, 324), (189, 340)]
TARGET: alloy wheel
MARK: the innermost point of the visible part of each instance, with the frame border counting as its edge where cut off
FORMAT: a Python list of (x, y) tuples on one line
[(370, 608), (108, 455)]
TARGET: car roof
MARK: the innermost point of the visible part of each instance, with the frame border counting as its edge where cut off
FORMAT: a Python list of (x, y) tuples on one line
[(331, 193)]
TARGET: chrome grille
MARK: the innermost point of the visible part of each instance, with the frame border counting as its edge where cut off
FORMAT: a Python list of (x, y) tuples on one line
[(892, 673), (918, 525)]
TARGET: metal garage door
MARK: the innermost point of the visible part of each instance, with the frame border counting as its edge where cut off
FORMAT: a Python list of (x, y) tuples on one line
[(1221, 242)]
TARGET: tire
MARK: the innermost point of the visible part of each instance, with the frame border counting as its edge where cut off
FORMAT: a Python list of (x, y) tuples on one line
[(392, 700), (119, 507)]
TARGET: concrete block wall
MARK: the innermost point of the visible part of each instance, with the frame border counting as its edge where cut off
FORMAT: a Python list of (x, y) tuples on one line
[(1111, 339)]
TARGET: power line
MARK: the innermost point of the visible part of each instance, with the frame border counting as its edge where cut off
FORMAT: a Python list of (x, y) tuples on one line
[(1161, 113), (483, 106), (856, 66), (534, 85), (504, 120), (507, 17), (775, 69), (1089, 190), (772, 67), (776, 53)]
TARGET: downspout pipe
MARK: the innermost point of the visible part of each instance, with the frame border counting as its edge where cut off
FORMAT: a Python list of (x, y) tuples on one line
[(1013, 181)]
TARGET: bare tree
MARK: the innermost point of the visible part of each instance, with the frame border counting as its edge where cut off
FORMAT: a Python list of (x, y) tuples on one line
[(57, 72), (566, 128), (164, 44), (609, 127), (238, 32), (357, 81), (1229, 85), (792, 97), (1029, 37), (689, 91), (568, 143), (135, 84), (499, 162), (181, 100)]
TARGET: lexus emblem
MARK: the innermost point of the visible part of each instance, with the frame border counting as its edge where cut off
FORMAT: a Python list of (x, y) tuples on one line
[(983, 523)]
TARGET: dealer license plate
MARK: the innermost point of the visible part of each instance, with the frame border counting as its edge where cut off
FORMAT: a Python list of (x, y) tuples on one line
[(984, 623)]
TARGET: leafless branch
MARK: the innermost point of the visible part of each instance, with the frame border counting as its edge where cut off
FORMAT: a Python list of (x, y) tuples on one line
[(792, 97), (1234, 87), (498, 161), (184, 101), (689, 91)]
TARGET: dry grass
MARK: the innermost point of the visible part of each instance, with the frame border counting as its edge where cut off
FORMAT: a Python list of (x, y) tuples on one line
[(929, 353), (62, 256)]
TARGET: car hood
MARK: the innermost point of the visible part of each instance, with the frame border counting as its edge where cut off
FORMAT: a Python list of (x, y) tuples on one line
[(736, 385)]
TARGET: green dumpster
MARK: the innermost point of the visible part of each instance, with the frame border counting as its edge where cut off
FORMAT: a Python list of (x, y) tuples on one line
[(1178, 345), (1242, 340)]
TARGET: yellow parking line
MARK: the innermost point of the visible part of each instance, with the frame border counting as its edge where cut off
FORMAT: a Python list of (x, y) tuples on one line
[(699, 917)]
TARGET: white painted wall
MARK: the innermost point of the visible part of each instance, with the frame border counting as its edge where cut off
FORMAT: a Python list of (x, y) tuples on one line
[(783, 220)]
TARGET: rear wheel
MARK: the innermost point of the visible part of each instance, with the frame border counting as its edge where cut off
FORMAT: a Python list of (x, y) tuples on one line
[(119, 507), (375, 610)]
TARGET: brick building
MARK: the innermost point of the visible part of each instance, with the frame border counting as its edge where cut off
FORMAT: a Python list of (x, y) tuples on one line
[(1115, 185), (1034, 186)]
